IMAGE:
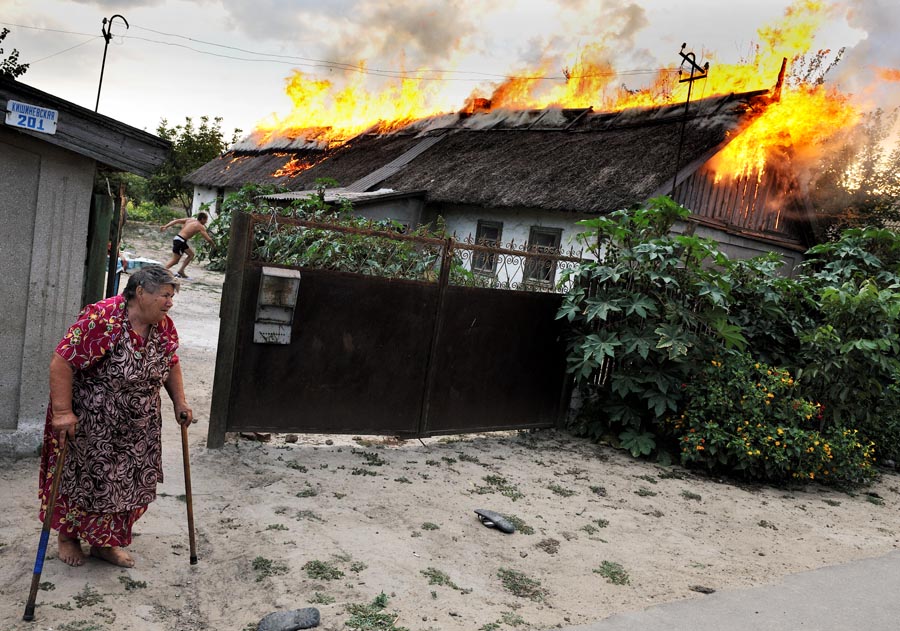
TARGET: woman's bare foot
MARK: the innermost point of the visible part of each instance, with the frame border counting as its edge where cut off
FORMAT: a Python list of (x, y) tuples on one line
[(114, 555), (70, 551)]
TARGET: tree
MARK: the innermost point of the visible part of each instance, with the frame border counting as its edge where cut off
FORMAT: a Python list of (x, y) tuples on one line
[(10, 68), (192, 147), (858, 184)]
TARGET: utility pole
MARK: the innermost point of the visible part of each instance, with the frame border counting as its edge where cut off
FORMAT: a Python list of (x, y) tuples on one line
[(107, 35), (697, 73)]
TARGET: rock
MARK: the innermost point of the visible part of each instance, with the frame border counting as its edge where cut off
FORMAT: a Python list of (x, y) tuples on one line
[(263, 437), (701, 589), (248, 435), (291, 438), (329, 442), (306, 618)]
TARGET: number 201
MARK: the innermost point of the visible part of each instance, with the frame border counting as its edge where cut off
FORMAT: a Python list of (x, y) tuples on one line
[(31, 122)]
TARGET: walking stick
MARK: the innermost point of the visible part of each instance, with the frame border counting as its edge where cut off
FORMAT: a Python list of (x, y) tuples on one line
[(187, 489), (45, 532)]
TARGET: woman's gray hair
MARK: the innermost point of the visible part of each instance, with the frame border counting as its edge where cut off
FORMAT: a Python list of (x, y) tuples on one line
[(151, 278)]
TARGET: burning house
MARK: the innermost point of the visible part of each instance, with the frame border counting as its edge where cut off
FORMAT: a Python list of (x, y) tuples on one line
[(524, 178)]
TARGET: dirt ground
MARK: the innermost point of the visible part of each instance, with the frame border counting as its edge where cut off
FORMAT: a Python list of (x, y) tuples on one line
[(331, 521)]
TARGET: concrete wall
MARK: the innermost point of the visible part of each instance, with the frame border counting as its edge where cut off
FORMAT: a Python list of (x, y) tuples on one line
[(45, 195)]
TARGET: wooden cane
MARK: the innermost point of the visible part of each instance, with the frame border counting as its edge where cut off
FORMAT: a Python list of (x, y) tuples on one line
[(187, 489), (45, 531)]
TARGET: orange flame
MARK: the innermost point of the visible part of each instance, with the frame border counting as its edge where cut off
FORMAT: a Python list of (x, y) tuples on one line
[(328, 114), (888, 74)]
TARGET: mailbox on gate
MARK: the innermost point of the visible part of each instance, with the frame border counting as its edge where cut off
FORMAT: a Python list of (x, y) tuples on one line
[(278, 290)]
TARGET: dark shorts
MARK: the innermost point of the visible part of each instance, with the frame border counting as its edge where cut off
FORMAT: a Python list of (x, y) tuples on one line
[(179, 245)]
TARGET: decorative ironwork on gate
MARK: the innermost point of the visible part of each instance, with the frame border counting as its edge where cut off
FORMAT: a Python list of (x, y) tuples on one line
[(391, 253)]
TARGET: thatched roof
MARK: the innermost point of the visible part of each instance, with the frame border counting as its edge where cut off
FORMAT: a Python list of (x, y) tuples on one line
[(561, 160), (554, 159), (238, 167)]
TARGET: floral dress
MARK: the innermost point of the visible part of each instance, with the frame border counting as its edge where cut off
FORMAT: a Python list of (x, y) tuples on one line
[(114, 463)]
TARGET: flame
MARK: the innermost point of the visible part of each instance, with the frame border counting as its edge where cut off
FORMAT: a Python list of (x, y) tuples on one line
[(327, 114), (888, 74)]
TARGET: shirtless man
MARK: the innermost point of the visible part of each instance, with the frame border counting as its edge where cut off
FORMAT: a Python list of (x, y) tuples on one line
[(180, 243)]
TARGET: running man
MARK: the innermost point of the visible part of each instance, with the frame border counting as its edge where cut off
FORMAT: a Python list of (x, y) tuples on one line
[(180, 243)]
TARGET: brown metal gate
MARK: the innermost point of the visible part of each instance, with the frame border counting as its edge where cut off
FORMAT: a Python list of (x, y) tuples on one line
[(389, 356)]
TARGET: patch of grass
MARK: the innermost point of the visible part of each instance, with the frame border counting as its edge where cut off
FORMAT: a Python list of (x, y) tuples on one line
[(688, 495), (613, 573), (372, 459), (589, 529), (671, 475), (520, 525), (464, 457), (81, 625), (601, 523), (767, 524), (550, 545), (648, 478), (307, 492), (339, 496), (403, 480), (645, 492), (520, 585), (87, 597), (131, 584), (437, 577), (499, 484), (361, 471), (308, 515), (874, 498), (318, 599), (46, 586), (512, 619), (276, 527), (433, 463), (415, 533), (430, 526), (832, 502), (656, 513), (357, 567), (561, 490), (266, 567), (490, 626), (66, 606), (448, 459), (296, 465), (322, 570), (372, 617), (599, 490)]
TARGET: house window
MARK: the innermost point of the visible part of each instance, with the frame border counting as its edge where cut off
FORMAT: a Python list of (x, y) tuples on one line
[(538, 270), (488, 233)]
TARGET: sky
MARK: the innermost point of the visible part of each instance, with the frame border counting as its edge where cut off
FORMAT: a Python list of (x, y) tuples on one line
[(231, 58)]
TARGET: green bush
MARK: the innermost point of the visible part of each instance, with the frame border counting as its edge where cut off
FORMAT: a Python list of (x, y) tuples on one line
[(147, 211), (643, 317), (744, 416)]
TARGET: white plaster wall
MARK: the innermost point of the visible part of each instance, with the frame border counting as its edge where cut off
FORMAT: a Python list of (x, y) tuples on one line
[(203, 195), (48, 280), (517, 224)]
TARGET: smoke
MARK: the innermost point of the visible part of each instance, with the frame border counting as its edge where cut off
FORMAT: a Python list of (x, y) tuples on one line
[(868, 67)]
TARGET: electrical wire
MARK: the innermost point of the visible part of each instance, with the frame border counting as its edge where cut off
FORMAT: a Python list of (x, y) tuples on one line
[(91, 39), (308, 62)]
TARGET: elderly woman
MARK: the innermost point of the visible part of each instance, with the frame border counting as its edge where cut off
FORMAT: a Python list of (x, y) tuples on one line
[(105, 378)]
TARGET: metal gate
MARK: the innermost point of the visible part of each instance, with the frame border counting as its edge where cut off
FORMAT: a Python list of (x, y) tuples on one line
[(434, 351)]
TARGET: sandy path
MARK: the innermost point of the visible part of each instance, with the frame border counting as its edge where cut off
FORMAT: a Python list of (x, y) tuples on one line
[(393, 516)]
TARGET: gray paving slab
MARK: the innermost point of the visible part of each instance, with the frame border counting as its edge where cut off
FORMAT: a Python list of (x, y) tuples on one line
[(863, 595)]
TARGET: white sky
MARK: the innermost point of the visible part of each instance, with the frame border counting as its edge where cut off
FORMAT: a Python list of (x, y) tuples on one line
[(146, 80)]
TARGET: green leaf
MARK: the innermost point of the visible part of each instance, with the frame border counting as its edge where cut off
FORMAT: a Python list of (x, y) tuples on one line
[(638, 443)]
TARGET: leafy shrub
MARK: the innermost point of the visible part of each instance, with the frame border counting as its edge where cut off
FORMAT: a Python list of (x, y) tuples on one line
[(643, 316), (744, 416), (147, 211)]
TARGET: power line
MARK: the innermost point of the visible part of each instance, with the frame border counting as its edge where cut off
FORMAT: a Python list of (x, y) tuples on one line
[(65, 50), (293, 60)]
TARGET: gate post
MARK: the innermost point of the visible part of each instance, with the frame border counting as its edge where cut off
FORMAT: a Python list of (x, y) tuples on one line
[(430, 371), (239, 245)]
